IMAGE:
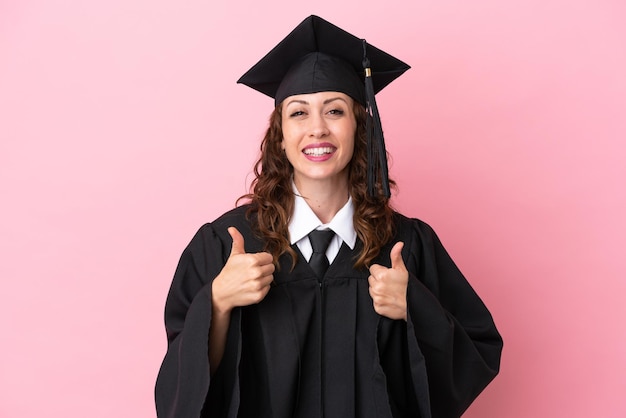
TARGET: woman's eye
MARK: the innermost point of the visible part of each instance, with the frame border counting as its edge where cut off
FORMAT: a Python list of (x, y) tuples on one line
[(336, 112), (296, 114)]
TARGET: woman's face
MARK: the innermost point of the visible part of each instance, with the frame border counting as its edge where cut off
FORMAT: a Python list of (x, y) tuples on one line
[(318, 135)]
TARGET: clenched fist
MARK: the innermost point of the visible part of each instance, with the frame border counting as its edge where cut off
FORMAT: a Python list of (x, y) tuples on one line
[(245, 279), (388, 286)]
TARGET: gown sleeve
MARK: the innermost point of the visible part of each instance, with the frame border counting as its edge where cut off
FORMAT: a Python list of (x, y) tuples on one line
[(183, 381), (457, 340)]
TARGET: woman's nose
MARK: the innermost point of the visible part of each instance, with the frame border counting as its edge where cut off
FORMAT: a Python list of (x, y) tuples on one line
[(318, 127)]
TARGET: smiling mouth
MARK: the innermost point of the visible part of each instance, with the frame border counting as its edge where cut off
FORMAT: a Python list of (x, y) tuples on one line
[(318, 152)]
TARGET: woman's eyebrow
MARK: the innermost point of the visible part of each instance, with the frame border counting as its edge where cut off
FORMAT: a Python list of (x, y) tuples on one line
[(300, 101), (332, 99)]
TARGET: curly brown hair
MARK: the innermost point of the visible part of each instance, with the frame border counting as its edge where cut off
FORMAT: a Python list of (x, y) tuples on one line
[(272, 195)]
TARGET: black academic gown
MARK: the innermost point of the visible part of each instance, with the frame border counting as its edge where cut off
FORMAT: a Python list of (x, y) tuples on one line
[(312, 349)]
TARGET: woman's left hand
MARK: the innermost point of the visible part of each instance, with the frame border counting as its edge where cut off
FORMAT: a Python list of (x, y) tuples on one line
[(388, 286)]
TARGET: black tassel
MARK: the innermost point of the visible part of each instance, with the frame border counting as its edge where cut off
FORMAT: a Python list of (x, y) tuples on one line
[(376, 152)]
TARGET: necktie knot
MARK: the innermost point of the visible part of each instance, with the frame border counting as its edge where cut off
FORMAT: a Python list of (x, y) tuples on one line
[(320, 239)]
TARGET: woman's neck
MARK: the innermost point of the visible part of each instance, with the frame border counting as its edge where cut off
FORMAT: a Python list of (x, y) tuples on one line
[(324, 197)]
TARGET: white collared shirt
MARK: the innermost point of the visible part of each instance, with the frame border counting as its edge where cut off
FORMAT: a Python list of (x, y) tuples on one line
[(304, 220)]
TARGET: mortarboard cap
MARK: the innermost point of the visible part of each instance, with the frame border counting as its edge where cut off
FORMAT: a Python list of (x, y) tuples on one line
[(318, 56)]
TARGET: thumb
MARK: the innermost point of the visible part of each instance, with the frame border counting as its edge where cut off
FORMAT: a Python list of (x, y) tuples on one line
[(238, 243), (396, 256)]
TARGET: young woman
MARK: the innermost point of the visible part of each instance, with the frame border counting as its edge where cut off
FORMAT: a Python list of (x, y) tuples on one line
[(315, 298)]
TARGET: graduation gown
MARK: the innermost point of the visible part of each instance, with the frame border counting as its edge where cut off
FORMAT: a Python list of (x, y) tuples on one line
[(315, 349)]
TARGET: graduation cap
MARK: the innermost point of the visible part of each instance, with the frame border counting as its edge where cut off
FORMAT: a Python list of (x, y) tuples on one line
[(318, 56)]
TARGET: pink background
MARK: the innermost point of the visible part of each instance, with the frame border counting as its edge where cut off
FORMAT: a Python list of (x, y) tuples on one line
[(122, 131)]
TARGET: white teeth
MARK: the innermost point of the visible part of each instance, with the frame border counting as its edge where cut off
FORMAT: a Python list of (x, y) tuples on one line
[(317, 152)]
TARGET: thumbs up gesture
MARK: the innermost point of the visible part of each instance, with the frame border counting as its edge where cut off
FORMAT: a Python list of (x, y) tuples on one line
[(388, 286), (245, 278)]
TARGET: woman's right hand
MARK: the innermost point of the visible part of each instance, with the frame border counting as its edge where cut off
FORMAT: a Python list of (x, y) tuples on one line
[(245, 279)]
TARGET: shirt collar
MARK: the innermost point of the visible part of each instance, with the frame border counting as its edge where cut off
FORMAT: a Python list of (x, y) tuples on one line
[(304, 220)]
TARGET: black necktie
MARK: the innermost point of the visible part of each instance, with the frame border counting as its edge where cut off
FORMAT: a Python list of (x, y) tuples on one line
[(319, 241)]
